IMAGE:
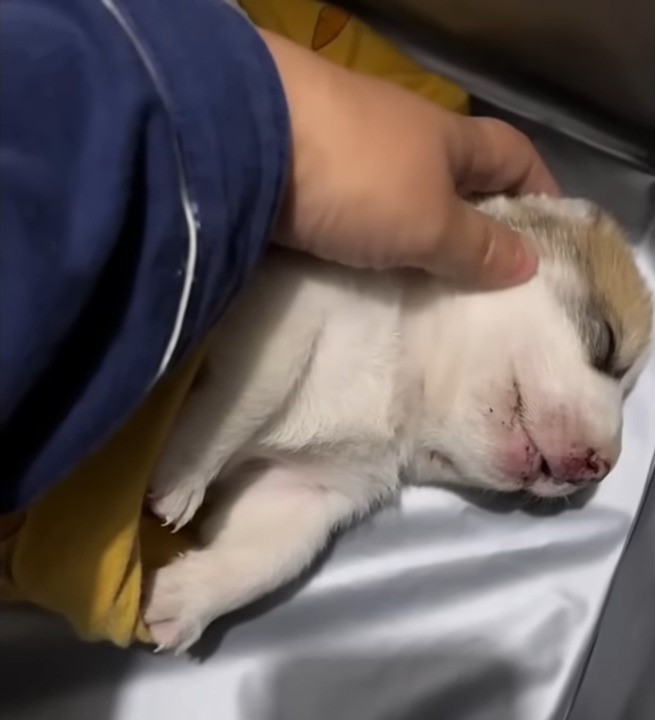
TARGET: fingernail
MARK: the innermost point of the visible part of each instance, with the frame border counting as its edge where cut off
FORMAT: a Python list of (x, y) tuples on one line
[(525, 261)]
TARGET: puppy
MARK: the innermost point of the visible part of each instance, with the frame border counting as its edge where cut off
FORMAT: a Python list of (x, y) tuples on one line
[(327, 389)]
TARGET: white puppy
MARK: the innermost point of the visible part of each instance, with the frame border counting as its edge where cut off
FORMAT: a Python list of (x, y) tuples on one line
[(326, 389)]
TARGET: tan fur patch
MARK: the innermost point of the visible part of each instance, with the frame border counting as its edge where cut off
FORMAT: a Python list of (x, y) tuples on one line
[(599, 251), (617, 284)]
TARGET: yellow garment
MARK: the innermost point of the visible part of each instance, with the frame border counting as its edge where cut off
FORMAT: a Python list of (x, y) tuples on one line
[(83, 548), (337, 36)]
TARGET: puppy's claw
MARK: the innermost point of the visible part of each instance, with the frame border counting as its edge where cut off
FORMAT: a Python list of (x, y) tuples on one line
[(174, 612), (178, 508)]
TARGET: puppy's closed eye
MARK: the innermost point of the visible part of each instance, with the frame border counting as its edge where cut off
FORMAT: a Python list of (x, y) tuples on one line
[(603, 347)]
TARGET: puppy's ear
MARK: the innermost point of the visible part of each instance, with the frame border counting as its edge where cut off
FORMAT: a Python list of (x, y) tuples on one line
[(568, 208), (536, 212), (577, 209), (498, 206)]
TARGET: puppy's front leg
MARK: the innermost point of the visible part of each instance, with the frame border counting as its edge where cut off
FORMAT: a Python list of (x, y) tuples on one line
[(223, 414), (269, 529), (211, 428)]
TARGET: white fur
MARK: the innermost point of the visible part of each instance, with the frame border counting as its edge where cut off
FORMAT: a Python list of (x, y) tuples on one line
[(326, 385)]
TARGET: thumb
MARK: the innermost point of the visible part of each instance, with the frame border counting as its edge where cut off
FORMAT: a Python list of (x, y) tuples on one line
[(481, 252)]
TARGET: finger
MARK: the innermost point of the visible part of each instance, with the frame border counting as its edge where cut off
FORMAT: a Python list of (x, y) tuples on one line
[(479, 252), (491, 156)]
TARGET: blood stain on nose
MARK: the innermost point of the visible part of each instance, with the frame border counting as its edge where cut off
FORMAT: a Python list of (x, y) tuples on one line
[(591, 461), (591, 465)]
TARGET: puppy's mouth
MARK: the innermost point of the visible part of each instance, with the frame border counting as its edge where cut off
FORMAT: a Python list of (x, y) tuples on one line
[(541, 481), (544, 484)]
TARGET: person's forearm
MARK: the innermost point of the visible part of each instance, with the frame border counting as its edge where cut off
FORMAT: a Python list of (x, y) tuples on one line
[(144, 154)]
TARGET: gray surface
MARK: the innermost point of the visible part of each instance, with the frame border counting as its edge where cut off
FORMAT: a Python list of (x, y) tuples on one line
[(586, 67), (619, 679), (600, 44)]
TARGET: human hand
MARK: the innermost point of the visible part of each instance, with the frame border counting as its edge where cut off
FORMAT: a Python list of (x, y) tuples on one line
[(379, 177)]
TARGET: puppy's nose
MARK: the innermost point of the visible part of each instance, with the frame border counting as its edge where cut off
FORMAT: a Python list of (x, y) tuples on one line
[(580, 467)]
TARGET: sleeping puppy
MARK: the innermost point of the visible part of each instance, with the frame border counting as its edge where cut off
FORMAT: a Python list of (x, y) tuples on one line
[(327, 389)]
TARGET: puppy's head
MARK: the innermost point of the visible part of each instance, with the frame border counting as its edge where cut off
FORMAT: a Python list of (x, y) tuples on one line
[(528, 384)]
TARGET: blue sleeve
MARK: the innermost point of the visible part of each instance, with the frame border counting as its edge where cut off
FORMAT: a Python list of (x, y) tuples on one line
[(144, 151)]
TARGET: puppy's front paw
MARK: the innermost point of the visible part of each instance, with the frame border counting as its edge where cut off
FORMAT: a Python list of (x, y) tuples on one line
[(173, 611), (177, 505)]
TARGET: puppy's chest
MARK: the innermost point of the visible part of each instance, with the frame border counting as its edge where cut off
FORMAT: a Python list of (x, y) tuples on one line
[(347, 399)]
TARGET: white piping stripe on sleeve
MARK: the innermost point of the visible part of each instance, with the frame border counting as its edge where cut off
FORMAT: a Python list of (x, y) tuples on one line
[(190, 208)]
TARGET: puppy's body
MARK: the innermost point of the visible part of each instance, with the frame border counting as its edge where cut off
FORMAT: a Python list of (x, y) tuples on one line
[(325, 386)]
